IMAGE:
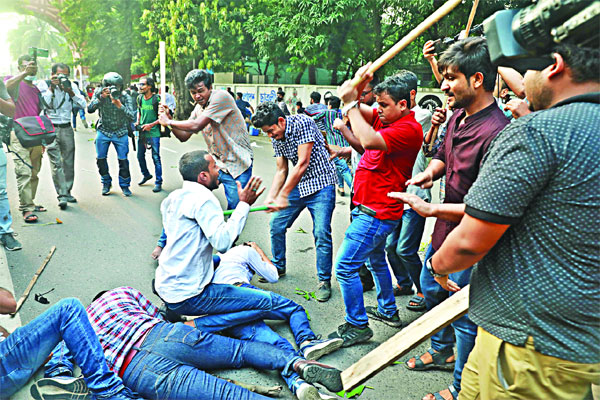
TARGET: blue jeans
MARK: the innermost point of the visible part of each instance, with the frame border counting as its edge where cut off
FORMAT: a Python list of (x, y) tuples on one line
[(365, 240), (121, 145), (320, 205), (141, 156), (81, 112), (464, 330), (343, 172), (5, 217), (223, 306), (26, 349), (230, 186), (402, 249), (260, 332), (171, 361)]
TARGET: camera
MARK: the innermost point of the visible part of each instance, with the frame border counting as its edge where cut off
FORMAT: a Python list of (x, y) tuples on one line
[(523, 38), (443, 44), (6, 125), (63, 81), (114, 91)]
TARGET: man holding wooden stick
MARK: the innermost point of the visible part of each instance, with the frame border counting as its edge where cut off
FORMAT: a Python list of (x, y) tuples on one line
[(469, 78)]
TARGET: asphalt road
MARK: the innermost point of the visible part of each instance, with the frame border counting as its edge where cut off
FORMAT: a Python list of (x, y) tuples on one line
[(106, 241)]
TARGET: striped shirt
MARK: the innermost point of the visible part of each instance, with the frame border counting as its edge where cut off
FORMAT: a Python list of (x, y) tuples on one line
[(120, 318), (226, 135), (325, 121), (301, 129)]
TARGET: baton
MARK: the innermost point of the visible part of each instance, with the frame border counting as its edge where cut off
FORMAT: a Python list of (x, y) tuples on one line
[(260, 208)]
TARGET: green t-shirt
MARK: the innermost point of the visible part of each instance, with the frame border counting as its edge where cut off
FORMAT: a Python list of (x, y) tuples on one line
[(147, 116)]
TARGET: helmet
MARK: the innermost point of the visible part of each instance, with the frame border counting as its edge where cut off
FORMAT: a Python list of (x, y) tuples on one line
[(112, 79)]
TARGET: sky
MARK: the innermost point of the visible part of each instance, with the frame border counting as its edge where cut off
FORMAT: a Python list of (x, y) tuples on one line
[(8, 21)]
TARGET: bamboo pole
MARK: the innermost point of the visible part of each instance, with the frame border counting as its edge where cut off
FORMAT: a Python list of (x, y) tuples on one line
[(33, 281), (162, 52)]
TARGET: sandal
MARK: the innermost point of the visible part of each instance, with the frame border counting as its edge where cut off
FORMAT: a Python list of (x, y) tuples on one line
[(40, 209), (417, 303), (29, 217), (439, 396), (439, 361)]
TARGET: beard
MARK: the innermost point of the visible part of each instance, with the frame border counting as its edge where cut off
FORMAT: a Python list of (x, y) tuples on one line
[(539, 95), (213, 184)]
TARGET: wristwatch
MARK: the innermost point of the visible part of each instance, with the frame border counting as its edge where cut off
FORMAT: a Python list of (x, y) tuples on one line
[(429, 267), (349, 106)]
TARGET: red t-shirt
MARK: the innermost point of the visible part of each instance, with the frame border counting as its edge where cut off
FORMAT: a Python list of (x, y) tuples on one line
[(380, 172)]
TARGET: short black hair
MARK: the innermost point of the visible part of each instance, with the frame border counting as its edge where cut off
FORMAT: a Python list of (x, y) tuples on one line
[(267, 113), (410, 78), (299, 103), (197, 76), (149, 81), (24, 57), (192, 163), (335, 102), (397, 87), (56, 66), (375, 81), (584, 62), (469, 56), (281, 93), (239, 94), (99, 294), (166, 88), (316, 96)]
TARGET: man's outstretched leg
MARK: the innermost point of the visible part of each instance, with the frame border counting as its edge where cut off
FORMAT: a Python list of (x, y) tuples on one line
[(25, 350)]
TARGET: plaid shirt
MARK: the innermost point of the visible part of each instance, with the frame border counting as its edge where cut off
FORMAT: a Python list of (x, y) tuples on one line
[(301, 129), (113, 120), (120, 318)]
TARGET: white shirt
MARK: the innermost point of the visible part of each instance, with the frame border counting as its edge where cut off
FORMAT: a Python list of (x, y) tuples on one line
[(194, 224), (239, 265), (170, 101), (60, 103)]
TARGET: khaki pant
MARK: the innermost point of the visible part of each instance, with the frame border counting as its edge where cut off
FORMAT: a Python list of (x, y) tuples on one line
[(27, 178), (499, 370), (54, 152), (65, 141)]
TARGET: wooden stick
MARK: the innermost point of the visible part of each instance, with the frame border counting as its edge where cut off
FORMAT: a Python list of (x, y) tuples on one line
[(34, 280), (440, 316), (410, 37), (162, 56), (463, 36)]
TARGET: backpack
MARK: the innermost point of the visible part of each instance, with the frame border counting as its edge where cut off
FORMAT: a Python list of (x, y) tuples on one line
[(164, 130)]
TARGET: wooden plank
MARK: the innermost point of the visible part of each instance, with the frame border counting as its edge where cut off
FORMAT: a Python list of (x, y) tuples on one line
[(33, 281), (422, 328)]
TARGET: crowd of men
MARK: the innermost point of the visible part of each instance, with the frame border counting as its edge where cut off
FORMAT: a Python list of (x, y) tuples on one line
[(518, 222)]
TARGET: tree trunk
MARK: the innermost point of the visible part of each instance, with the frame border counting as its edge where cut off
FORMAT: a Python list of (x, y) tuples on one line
[(299, 77), (312, 75), (334, 76), (184, 108), (267, 71)]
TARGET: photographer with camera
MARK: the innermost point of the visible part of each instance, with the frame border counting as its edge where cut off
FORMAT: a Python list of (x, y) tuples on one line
[(117, 112), (58, 100), (531, 220), (7, 110)]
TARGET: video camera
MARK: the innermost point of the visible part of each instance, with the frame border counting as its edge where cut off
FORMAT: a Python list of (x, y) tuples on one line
[(35, 52), (523, 38), (443, 44)]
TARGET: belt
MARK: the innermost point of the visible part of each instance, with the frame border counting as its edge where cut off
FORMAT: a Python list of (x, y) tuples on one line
[(369, 211), (132, 352), (65, 125), (238, 284)]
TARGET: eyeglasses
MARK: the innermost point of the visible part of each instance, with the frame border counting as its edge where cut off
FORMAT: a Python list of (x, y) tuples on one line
[(366, 92)]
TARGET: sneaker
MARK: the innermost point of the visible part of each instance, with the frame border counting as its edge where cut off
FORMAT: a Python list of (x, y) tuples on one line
[(126, 191), (85, 123), (71, 199), (145, 179), (323, 292), (393, 321), (105, 189), (62, 204), (306, 391), (60, 388), (314, 372), (124, 394), (280, 273), (351, 334), (157, 188), (317, 348), (9, 242), (403, 291)]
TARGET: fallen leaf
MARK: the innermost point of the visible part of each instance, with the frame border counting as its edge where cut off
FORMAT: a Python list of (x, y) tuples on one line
[(300, 230), (58, 221)]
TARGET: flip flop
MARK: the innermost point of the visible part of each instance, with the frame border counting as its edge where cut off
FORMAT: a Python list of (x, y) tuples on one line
[(40, 209), (416, 303), (30, 218)]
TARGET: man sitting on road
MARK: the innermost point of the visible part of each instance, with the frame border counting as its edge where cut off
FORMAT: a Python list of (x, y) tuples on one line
[(309, 184), (140, 346), (26, 349)]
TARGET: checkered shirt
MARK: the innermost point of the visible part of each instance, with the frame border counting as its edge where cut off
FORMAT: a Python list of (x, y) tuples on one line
[(300, 129), (113, 120), (120, 318)]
